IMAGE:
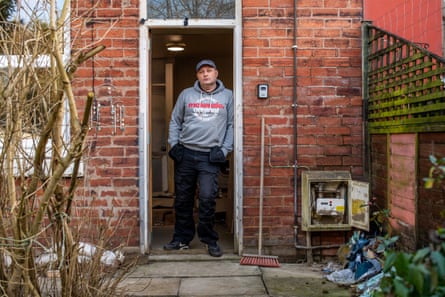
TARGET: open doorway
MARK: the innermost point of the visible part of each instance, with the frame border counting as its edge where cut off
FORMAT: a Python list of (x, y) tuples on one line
[(170, 73)]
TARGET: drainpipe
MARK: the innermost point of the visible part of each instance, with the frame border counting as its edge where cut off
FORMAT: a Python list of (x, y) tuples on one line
[(308, 246), (295, 130)]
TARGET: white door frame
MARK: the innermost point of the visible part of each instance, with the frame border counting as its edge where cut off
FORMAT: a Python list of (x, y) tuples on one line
[(144, 137)]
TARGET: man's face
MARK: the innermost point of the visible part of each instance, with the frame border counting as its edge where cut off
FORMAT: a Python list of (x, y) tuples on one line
[(207, 76)]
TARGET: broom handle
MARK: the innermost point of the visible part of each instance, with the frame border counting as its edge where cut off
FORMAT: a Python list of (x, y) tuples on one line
[(260, 232)]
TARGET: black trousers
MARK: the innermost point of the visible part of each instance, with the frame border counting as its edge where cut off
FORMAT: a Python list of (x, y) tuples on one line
[(192, 173)]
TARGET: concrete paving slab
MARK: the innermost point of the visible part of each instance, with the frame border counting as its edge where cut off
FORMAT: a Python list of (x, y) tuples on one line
[(293, 270), (194, 269), (141, 287), (227, 278), (222, 286), (304, 287), (300, 280)]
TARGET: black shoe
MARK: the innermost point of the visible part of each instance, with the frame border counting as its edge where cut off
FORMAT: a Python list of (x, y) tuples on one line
[(176, 245), (214, 250)]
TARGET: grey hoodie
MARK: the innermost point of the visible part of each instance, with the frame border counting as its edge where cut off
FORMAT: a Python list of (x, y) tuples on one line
[(202, 120)]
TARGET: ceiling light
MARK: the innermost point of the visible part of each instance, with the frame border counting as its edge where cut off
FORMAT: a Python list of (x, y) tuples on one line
[(175, 47)]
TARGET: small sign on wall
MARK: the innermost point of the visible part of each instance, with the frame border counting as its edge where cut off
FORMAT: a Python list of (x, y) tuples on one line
[(263, 91)]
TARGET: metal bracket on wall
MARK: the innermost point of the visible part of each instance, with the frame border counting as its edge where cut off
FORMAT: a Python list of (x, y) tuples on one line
[(116, 112), (118, 117), (95, 117), (113, 118), (269, 135), (121, 117)]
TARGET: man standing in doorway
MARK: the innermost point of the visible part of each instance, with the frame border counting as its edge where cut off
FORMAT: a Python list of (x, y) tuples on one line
[(200, 137)]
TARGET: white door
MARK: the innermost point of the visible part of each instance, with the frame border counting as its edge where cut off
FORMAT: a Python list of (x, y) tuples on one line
[(201, 37)]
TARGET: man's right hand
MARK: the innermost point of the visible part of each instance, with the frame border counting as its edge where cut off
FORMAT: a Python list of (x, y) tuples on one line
[(176, 152), (217, 155)]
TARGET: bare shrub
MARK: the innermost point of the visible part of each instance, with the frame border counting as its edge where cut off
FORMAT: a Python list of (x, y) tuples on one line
[(42, 141)]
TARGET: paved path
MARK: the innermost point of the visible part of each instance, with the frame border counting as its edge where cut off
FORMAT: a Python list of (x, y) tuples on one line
[(202, 275)]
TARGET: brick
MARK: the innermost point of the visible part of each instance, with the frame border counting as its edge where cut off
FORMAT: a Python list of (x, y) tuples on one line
[(254, 3), (325, 52), (333, 33), (337, 43), (352, 160), (338, 23), (307, 140), (325, 12), (272, 32), (351, 12), (271, 52), (323, 140), (256, 23), (328, 161), (348, 91), (337, 3), (310, 23), (310, 3), (337, 150)]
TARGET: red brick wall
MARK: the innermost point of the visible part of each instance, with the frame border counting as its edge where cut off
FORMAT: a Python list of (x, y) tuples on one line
[(329, 108), (110, 184), (329, 105)]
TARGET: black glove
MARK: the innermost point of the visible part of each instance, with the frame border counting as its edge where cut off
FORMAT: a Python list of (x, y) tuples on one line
[(176, 152), (216, 155)]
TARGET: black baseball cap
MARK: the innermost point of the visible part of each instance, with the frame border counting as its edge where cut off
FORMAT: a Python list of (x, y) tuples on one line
[(205, 63)]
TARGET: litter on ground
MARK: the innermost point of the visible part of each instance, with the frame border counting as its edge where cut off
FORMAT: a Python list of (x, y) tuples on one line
[(363, 266)]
